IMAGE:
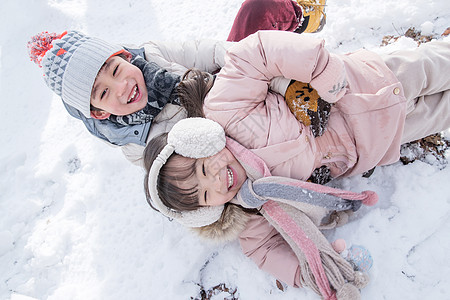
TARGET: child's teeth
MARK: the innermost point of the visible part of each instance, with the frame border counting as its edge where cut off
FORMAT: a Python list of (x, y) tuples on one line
[(230, 178), (134, 94)]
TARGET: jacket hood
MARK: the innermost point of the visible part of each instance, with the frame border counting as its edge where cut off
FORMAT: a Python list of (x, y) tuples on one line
[(228, 228)]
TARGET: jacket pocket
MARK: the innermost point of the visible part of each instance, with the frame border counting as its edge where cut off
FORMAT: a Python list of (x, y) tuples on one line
[(375, 122), (358, 103)]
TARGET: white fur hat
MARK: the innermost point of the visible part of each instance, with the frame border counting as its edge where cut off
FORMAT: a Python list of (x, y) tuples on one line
[(194, 138)]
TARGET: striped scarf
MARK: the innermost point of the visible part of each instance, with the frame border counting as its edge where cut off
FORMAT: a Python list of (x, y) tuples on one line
[(161, 87), (295, 208)]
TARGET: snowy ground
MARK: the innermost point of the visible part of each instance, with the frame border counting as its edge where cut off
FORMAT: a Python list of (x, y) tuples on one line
[(74, 223)]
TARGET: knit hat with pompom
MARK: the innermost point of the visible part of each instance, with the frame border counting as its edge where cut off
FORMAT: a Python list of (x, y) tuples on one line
[(71, 62)]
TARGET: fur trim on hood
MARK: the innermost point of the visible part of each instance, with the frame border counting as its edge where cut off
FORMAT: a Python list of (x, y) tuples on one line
[(231, 223)]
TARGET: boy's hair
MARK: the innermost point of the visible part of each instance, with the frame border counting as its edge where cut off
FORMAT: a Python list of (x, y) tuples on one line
[(71, 62), (174, 170)]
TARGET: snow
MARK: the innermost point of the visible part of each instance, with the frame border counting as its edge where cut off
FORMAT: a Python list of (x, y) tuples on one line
[(427, 28), (74, 223)]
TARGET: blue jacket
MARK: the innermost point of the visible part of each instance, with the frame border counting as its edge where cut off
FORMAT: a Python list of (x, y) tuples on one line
[(111, 132)]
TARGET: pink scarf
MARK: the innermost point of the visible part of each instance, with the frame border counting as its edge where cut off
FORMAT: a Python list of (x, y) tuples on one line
[(297, 222)]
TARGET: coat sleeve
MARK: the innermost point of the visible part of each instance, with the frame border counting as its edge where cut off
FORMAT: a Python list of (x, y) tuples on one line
[(271, 253), (206, 55), (254, 61)]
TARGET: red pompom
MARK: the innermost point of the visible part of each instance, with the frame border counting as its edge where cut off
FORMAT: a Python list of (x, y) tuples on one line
[(40, 44)]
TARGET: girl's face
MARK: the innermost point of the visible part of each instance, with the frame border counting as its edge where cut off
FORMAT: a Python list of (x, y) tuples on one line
[(218, 178), (119, 88)]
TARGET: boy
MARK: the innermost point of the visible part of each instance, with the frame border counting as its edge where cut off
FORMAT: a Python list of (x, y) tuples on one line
[(121, 97), (101, 85), (117, 93)]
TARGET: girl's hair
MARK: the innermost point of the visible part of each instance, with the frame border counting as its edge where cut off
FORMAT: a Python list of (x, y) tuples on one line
[(192, 91), (177, 169), (174, 170)]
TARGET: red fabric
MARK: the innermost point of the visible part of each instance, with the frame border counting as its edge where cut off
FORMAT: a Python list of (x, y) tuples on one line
[(257, 15), (40, 44)]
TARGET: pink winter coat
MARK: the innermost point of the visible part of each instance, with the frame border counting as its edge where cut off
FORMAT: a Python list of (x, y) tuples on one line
[(364, 128)]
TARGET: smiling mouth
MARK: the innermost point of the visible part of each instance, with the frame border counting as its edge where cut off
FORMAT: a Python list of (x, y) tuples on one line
[(230, 178), (134, 95)]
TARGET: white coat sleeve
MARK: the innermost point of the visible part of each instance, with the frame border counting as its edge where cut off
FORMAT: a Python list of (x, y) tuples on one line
[(206, 55), (177, 57)]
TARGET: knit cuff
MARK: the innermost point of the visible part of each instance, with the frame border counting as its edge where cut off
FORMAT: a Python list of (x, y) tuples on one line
[(331, 83)]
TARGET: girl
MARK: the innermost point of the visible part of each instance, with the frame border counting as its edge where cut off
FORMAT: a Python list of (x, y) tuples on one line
[(196, 185), (378, 104)]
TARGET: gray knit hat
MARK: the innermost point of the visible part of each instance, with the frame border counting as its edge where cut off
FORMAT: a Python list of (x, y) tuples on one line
[(71, 62)]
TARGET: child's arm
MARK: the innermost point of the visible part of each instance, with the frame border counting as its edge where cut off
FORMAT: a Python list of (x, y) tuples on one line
[(239, 99), (271, 253), (206, 55), (163, 122), (266, 54)]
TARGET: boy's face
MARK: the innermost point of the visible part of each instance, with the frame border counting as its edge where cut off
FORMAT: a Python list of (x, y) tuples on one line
[(218, 178), (119, 89)]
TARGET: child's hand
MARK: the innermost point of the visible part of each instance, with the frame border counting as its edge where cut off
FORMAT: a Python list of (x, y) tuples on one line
[(307, 106)]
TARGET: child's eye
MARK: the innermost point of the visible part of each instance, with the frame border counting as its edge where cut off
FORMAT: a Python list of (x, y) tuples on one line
[(115, 70), (203, 169), (206, 201), (103, 94)]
